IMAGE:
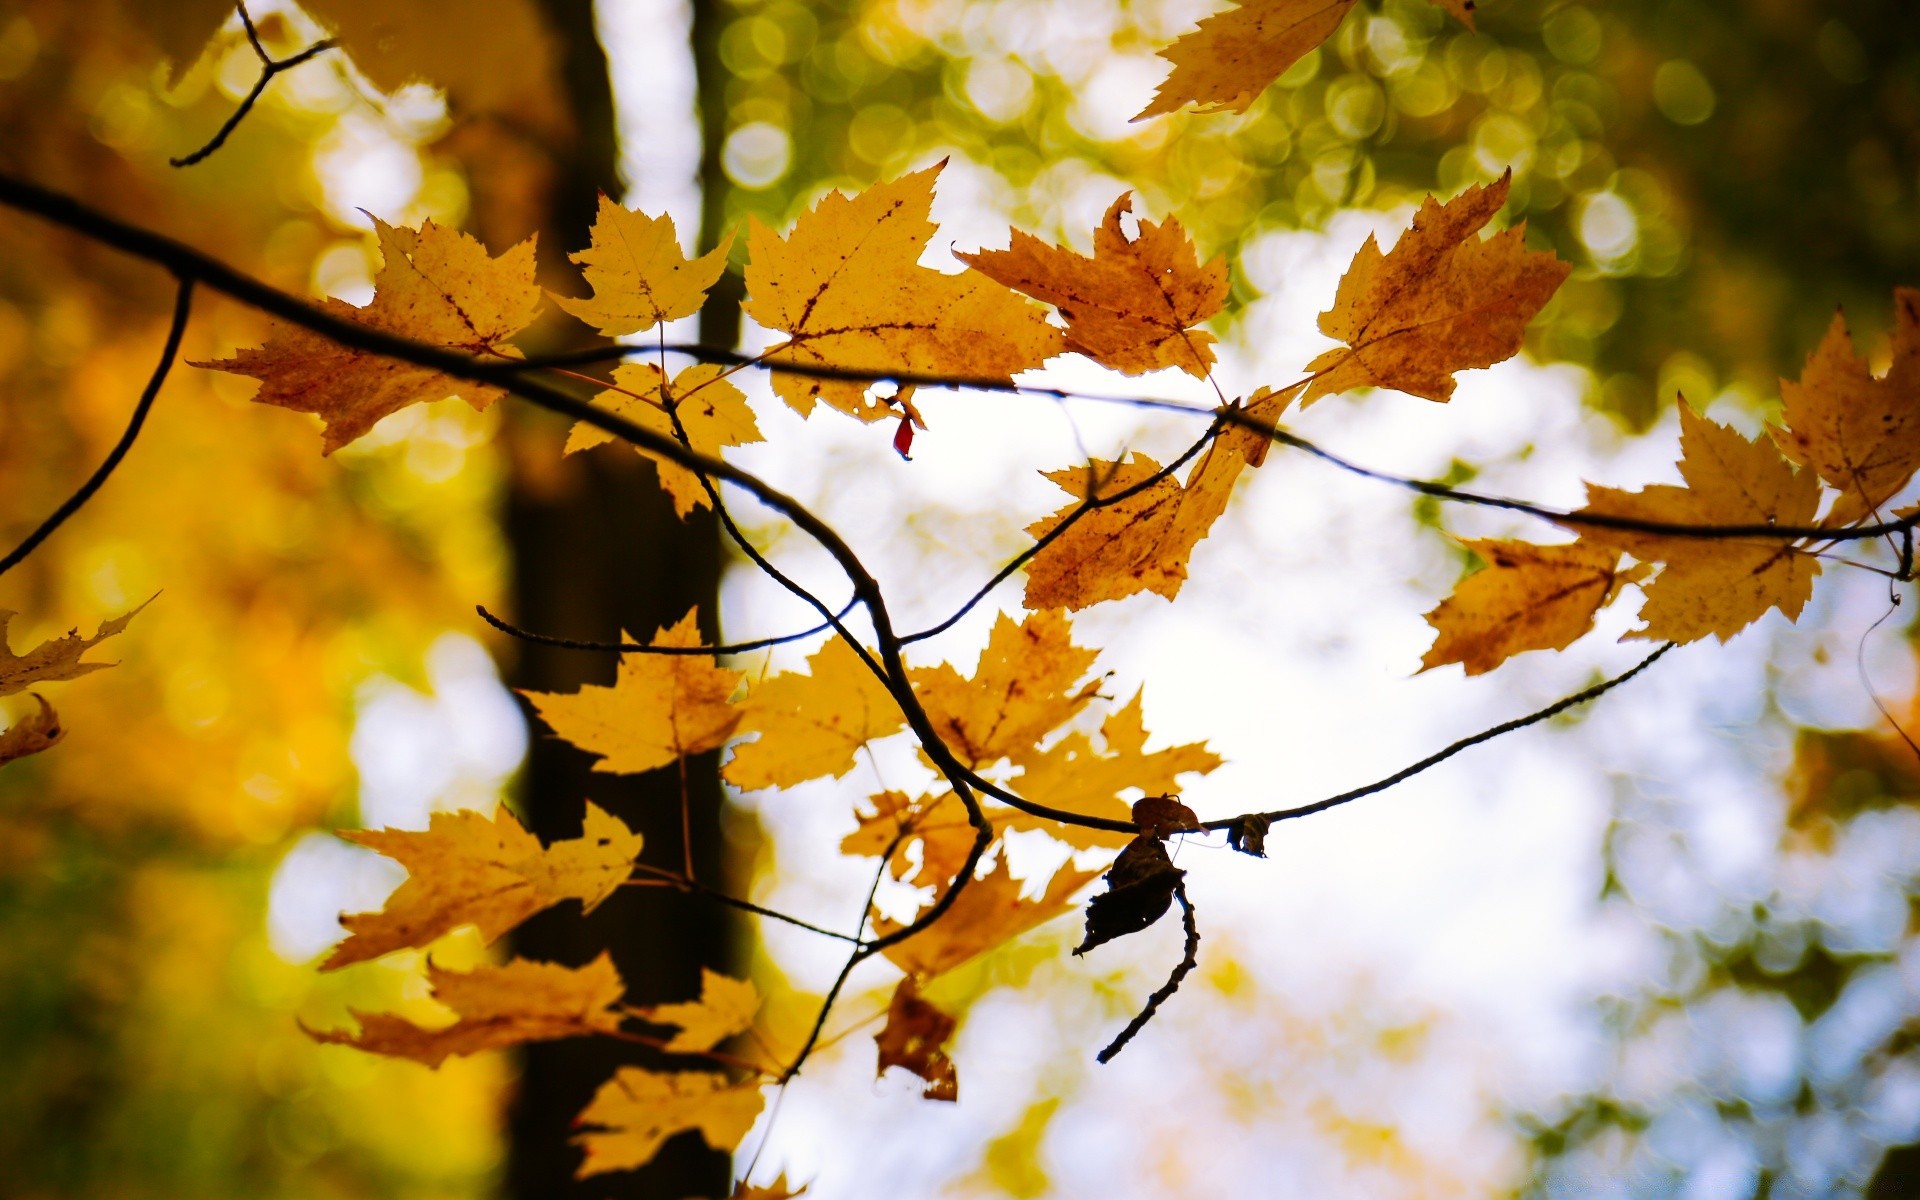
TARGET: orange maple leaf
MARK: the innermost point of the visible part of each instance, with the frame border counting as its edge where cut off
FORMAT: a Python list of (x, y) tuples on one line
[(894, 823), (725, 1007), (915, 1038), (1715, 586), (1529, 597), (1134, 304), (1027, 683), (467, 869), (989, 911), (436, 286), (812, 723), (847, 288), (1442, 300), (636, 1111)]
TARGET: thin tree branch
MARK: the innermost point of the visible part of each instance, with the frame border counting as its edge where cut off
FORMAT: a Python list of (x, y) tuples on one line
[(527, 635), (269, 67), (680, 882), (1188, 960), (182, 306)]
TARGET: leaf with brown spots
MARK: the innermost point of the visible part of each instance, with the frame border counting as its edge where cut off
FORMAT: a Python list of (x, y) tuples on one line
[(1529, 597), (812, 723)]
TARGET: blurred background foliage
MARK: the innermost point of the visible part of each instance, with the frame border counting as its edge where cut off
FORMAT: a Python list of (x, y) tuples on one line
[(1722, 174)]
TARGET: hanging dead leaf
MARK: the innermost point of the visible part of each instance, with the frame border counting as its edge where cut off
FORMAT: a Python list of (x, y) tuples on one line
[(1140, 887), (915, 1037)]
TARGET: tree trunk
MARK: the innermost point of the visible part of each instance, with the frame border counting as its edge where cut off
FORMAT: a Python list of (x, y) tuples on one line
[(596, 551)]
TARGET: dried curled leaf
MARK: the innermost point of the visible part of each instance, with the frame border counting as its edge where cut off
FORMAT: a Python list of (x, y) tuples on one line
[(56, 659), (1859, 432), (989, 912), (847, 288), (468, 869), (1441, 301), (1248, 834), (522, 1001), (725, 1008), (1140, 886), (812, 724), (1134, 304), (713, 413), (1026, 684), (1529, 597), (37, 731), (1715, 586), (660, 708), (436, 286), (640, 277), (1160, 817), (915, 1037), (636, 1111)]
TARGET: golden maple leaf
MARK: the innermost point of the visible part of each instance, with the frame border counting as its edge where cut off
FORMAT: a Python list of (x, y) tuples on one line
[(937, 824), (725, 1007), (1226, 61), (812, 723), (436, 286), (1442, 300), (636, 1111), (56, 659), (713, 412), (1529, 597), (520, 1001), (660, 708), (779, 1189), (467, 869), (1026, 684), (847, 288), (37, 731), (1141, 543), (988, 912), (1860, 432), (1075, 775), (1715, 586), (638, 274), (915, 1037), (1133, 305)]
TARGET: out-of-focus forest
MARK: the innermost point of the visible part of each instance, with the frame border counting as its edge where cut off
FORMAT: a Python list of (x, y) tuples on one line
[(1720, 174)]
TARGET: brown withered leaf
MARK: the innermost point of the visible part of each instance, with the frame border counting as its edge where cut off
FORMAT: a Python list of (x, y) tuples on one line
[(1528, 597), (37, 731), (1134, 304), (1442, 300), (1858, 431), (1140, 886), (1714, 586), (56, 659), (468, 869), (915, 1037), (521, 1001), (1160, 817)]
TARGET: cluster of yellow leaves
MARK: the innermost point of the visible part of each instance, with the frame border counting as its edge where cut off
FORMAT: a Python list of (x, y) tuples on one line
[(1855, 432), (1234, 55)]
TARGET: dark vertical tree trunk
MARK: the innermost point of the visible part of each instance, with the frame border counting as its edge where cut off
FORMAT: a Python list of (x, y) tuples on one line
[(597, 550)]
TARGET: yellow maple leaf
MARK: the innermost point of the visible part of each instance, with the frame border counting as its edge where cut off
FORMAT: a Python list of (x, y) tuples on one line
[(37, 731), (1226, 61), (660, 708), (436, 286), (1133, 305), (725, 1007), (1861, 433), (56, 659), (894, 823), (779, 1189), (638, 274), (1141, 543), (713, 412), (1715, 586), (915, 1038), (1026, 684), (521, 1001), (1076, 775), (636, 1111), (989, 912), (812, 723), (847, 288), (1442, 300), (467, 869), (1529, 597)]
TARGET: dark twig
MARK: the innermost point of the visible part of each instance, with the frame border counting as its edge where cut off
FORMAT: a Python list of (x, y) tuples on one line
[(1187, 962), (694, 887), (269, 67), (1485, 735), (182, 305), (543, 639)]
